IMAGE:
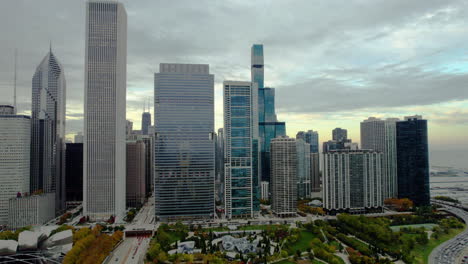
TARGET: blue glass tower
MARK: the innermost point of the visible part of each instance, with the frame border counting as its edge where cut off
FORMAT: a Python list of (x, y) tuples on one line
[(268, 125), (184, 161), (413, 160), (242, 192)]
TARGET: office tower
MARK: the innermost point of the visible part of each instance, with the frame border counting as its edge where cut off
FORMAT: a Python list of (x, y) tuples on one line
[(340, 134), (15, 153), (145, 122), (268, 125), (184, 147), (379, 135), (31, 210), (78, 138), (136, 172), (48, 129), (311, 137), (105, 110), (413, 160), (352, 180), (284, 162), (74, 172), (242, 184), (151, 131), (128, 128), (315, 179), (303, 169), (219, 170)]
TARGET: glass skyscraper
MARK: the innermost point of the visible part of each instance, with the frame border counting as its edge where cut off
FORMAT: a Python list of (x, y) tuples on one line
[(145, 122), (48, 129), (242, 183), (268, 125), (184, 145), (413, 160)]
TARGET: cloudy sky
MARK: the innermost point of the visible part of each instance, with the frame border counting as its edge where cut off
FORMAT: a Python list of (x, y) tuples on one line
[(333, 63)]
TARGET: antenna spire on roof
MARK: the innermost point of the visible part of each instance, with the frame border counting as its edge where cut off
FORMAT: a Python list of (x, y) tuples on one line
[(14, 84)]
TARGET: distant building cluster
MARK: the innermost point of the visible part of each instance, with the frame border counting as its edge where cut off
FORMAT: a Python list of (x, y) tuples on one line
[(192, 171)]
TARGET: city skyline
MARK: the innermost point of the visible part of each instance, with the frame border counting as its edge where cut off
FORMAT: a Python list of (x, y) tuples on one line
[(412, 62)]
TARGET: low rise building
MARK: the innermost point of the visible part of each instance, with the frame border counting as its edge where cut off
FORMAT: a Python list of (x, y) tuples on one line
[(31, 210)]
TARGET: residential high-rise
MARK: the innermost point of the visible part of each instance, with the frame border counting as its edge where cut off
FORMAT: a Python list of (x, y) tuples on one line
[(136, 172), (391, 163), (15, 153), (48, 129), (184, 147), (105, 110), (315, 179), (352, 180), (128, 128), (413, 160), (340, 134), (268, 125), (74, 169), (303, 169), (379, 135), (284, 180), (145, 122), (242, 184)]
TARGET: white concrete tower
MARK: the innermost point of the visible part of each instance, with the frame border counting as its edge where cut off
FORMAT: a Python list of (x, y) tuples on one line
[(104, 163)]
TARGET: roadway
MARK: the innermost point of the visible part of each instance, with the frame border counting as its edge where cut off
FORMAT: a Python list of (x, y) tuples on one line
[(454, 250), (132, 250)]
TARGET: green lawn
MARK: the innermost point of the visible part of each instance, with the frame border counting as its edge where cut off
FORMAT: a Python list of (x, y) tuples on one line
[(422, 253), (304, 241), (285, 262), (426, 226)]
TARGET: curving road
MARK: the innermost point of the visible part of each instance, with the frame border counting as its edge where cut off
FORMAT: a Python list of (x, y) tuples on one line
[(453, 250)]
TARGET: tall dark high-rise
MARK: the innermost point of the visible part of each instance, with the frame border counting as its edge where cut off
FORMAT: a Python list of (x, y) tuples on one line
[(74, 172), (145, 122), (268, 126), (413, 160), (48, 129)]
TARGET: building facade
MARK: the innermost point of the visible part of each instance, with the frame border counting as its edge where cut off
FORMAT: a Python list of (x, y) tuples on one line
[(219, 170), (136, 172), (15, 154), (242, 183), (311, 137), (105, 110), (265, 190), (303, 169), (48, 129), (390, 158), (74, 172), (413, 160), (184, 146), (284, 180), (315, 177), (352, 180), (34, 210), (340, 134), (268, 125)]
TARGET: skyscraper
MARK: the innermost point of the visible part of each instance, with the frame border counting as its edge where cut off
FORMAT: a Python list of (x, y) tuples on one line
[(379, 135), (145, 122), (184, 146), (340, 134), (303, 169), (74, 169), (48, 129), (136, 172), (268, 125), (219, 171), (15, 153), (242, 192), (105, 110), (352, 180), (413, 160), (311, 137), (284, 175)]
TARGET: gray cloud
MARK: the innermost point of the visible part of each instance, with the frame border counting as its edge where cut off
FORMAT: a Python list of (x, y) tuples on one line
[(304, 41)]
